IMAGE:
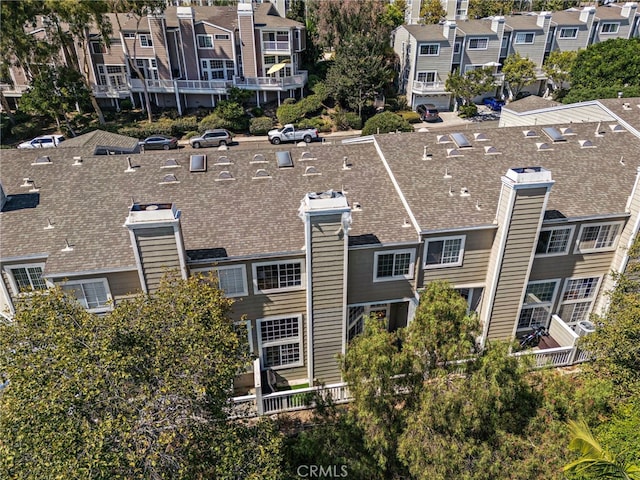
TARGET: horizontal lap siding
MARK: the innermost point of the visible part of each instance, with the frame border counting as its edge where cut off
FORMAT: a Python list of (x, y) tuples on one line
[(158, 254), (519, 244)]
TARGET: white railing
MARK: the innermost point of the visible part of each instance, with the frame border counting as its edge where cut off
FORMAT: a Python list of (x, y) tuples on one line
[(110, 90), (550, 357), (581, 356), (242, 407), (204, 86), (278, 46), (419, 87), (271, 83), (9, 89)]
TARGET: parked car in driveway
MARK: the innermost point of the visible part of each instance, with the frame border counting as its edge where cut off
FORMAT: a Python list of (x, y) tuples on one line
[(43, 141), (212, 138), (159, 142), (494, 103), (428, 112)]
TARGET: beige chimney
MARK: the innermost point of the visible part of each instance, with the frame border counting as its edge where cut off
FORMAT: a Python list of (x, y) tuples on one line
[(629, 9), (587, 13)]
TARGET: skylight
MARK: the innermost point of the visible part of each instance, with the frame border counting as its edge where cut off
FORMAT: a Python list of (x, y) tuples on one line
[(198, 163)]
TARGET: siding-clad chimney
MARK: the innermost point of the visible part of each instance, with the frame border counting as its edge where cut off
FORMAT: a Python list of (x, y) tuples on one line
[(629, 9), (247, 40), (449, 31), (497, 25), (543, 20), (158, 28), (587, 14), (189, 51)]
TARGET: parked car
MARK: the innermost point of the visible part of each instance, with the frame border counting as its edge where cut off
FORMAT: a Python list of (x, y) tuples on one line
[(43, 141), (494, 103), (159, 142), (212, 138), (428, 112), (289, 133)]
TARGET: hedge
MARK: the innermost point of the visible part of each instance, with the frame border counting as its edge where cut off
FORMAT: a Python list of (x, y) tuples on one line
[(386, 122), (260, 125)]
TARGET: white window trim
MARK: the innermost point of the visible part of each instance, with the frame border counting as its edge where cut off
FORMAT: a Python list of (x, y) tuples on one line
[(427, 72), (257, 291), (283, 341), (104, 308), (204, 36), (441, 239), (571, 229), (613, 246), (591, 299), (472, 66), (550, 303), (437, 54), (457, 48), (149, 40), (486, 47), (408, 276), (368, 308), (517, 42), (245, 287), (575, 35), (613, 32), (12, 281)]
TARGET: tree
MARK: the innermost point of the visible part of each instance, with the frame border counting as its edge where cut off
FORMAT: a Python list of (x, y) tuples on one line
[(141, 392), (614, 63), (386, 122), (558, 66), (487, 8), (471, 84), (432, 12), (518, 73), (596, 462)]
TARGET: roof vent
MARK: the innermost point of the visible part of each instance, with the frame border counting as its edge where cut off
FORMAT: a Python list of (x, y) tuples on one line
[(599, 131), (405, 223), (543, 146), (311, 170), (44, 160), (480, 137), (447, 175), (453, 152), (130, 167), (450, 191), (284, 159), (77, 161), (586, 144), (171, 178), (530, 134), (626, 106), (464, 192), (567, 131), (425, 155), (478, 205), (223, 160), (616, 128), (198, 163), (258, 158), (554, 134), (224, 175), (443, 139), (356, 207), (260, 174), (68, 247), (27, 182), (489, 150), (171, 163), (49, 224), (306, 156), (461, 140), (346, 164)]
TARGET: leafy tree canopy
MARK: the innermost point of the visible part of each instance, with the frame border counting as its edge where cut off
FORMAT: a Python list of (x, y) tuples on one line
[(470, 84), (432, 11), (386, 122), (614, 63), (518, 73)]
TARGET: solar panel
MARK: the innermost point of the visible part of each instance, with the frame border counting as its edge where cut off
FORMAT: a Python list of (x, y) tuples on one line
[(284, 159), (198, 163)]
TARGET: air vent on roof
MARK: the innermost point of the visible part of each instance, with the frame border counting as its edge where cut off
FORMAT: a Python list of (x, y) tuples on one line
[(258, 158), (50, 225), (530, 134), (626, 106), (306, 156), (480, 137), (453, 152), (224, 175), (198, 163), (346, 164), (443, 139), (543, 146), (68, 247), (77, 161), (26, 182), (488, 150), (284, 159), (586, 144), (130, 167), (311, 170), (460, 140), (567, 131), (260, 174), (554, 134), (356, 207), (447, 175), (223, 160), (426, 155), (464, 192), (616, 128), (43, 160), (171, 163), (170, 178)]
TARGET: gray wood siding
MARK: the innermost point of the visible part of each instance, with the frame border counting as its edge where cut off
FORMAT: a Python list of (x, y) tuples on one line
[(477, 250), (361, 287), (440, 63), (327, 295), (571, 44), (187, 39), (157, 29), (245, 23), (480, 57), (533, 51), (158, 254), (520, 242)]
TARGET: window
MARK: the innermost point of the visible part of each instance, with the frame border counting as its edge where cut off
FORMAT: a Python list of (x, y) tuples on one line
[(525, 37), (473, 297), (394, 265), (357, 314), (457, 48), (597, 237), (112, 75), (478, 43), (26, 277), (217, 69), (553, 241), (279, 276), (444, 252), (232, 279), (577, 299), (98, 47), (280, 342), (537, 304), (205, 41), (569, 32), (145, 40), (431, 49), (609, 28), (222, 36), (148, 67), (91, 294), (427, 77)]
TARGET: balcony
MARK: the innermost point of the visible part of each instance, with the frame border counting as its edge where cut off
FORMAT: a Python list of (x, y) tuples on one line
[(9, 90), (428, 87), (276, 47), (271, 83), (111, 91)]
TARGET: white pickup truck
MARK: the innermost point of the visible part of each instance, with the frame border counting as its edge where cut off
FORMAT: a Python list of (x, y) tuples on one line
[(288, 133)]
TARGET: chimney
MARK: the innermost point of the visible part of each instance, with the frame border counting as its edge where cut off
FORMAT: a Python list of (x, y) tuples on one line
[(587, 13), (497, 25), (246, 29), (543, 20), (629, 9), (449, 30)]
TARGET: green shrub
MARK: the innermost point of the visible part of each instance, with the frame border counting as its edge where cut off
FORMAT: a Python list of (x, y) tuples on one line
[(346, 120), (468, 111), (184, 124), (289, 101), (386, 122), (411, 117), (257, 112), (260, 125), (191, 134), (25, 129), (318, 123), (288, 113), (126, 105), (210, 122)]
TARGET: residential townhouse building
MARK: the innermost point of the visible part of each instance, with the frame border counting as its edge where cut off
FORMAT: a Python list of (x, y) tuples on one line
[(191, 56), (526, 222), (429, 53)]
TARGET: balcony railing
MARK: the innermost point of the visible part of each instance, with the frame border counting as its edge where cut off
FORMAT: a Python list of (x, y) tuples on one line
[(426, 87), (13, 90), (276, 46), (271, 83), (111, 91), (203, 86)]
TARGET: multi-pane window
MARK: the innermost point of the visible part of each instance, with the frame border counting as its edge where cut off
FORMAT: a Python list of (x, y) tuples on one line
[(553, 241), (276, 40), (393, 265), (569, 32), (232, 280), (145, 40), (524, 37), (222, 36), (148, 67), (473, 297), (283, 61), (112, 75), (427, 77), (609, 28), (478, 43), (577, 299), (280, 341), (217, 69), (444, 252), (91, 294), (205, 41), (357, 314), (27, 278), (98, 47), (277, 276), (431, 49), (596, 237), (537, 304), (457, 48)]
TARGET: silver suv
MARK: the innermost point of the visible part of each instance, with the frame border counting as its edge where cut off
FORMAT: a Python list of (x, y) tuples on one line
[(212, 138)]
